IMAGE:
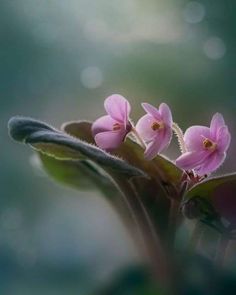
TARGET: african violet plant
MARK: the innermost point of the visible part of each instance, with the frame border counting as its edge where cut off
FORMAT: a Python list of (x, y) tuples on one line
[(153, 194)]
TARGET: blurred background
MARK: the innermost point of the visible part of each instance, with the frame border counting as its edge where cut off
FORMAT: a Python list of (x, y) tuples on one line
[(59, 60)]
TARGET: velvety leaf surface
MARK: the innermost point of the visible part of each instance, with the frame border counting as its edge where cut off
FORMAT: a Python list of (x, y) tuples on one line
[(217, 197), (71, 160), (77, 145), (52, 142), (78, 174), (83, 175)]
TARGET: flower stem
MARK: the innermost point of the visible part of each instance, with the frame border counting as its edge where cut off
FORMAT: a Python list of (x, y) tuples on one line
[(149, 238), (221, 250), (195, 236), (138, 138), (179, 133), (173, 221)]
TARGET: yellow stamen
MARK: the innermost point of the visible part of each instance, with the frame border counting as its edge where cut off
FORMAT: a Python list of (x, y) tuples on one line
[(157, 125), (209, 145)]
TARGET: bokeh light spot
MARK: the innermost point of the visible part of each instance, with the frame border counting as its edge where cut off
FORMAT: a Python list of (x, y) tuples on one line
[(214, 48), (91, 77), (194, 12)]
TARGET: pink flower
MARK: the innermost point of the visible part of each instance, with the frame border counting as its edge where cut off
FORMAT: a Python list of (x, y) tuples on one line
[(206, 147), (110, 131), (155, 129)]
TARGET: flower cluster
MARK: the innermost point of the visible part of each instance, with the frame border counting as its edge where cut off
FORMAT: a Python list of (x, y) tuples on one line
[(203, 148)]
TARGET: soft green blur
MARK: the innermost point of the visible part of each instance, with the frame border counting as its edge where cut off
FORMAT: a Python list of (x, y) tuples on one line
[(59, 60)]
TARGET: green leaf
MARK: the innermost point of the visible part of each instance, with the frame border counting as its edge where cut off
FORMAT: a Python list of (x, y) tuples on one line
[(215, 201), (78, 174), (165, 177), (60, 145), (160, 168)]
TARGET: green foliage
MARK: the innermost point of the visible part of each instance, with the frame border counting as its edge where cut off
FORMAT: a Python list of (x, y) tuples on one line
[(59, 145), (164, 177), (71, 157), (160, 168), (214, 202), (79, 174)]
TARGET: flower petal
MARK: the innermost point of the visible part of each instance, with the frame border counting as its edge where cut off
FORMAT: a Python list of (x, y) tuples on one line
[(166, 138), (211, 163), (166, 114), (194, 137), (144, 128), (104, 123), (152, 149), (118, 108), (223, 139), (152, 111), (191, 160), (110, 140), (158, 143), (217, 122)]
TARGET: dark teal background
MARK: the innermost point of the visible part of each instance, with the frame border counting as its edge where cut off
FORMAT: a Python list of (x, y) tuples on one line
[(59, 60)]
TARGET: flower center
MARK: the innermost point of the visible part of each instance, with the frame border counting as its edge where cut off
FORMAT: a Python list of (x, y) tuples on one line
[(157, 125), (116, 127), (209, 144)]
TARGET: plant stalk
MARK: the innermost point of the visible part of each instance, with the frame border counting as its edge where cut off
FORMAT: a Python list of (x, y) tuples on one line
[(173, 221), (195, 236), (221, 250), (150, 240), (179, 133)]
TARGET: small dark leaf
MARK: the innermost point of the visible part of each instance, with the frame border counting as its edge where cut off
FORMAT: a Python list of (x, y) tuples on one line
[(52, 142), (216, 199), (79, 129)]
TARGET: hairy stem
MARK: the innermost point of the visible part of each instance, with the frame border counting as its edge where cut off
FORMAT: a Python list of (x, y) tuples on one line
[(179, 133)]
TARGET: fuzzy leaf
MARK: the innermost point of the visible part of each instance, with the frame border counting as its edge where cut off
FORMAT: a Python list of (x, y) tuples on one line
[(165, 177), (160, 168), (78, 174), (59, 145)]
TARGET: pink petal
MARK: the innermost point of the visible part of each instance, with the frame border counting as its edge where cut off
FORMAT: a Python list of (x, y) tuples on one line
[(217, 122), (194, 137), (118, 108), (191, 160), (158, 143), (223, 139), (211, 163), (166, 138), (144, 129), (152, 149), (104, 123), (110, 140), (166, 114), (152, 111)]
